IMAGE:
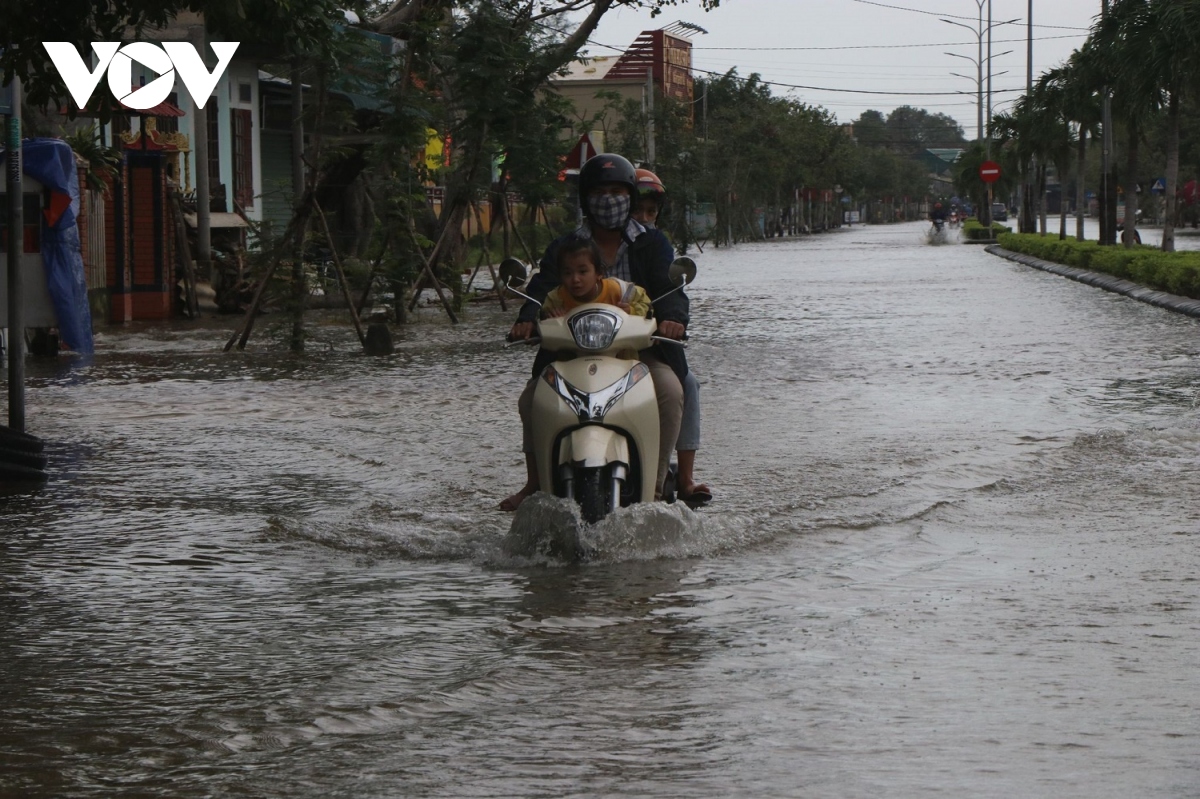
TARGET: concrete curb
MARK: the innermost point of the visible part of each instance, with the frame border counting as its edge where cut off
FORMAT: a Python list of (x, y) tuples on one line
[(1161, 299)]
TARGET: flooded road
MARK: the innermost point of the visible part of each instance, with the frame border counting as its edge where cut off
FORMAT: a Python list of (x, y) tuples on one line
[(955, 552)]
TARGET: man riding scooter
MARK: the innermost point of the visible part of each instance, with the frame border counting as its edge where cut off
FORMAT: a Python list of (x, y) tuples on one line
[(631, 252)]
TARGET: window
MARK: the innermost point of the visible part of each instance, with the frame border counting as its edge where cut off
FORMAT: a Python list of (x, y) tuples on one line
[(169, 124), (243, 157), (215, 190)]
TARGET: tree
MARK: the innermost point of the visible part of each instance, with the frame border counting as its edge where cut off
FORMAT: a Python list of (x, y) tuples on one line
[(913, 130), (1158, 47), (1079, 94)]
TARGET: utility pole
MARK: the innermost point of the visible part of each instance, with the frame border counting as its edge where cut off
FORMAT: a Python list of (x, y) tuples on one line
[(983, 133), (16, 247), (1108, 194), (986, 218), (1027, 188)]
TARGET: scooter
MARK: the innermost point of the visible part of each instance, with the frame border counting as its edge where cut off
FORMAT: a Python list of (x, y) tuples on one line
[(954, 219), (937, 233), (595, 415)]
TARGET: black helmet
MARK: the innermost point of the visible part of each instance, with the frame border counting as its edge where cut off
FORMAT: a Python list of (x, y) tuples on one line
[(606, 168)]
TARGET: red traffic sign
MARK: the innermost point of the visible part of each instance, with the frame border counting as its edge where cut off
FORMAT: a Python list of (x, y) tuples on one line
[(581, 152), (989, 171)]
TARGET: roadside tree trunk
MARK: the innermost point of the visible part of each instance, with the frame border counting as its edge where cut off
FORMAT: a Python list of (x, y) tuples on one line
[(1080, 188), (1131, 165), (1171, 203)]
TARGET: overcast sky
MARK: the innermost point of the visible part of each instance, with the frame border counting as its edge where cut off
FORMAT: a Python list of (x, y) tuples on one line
[(876, 46)]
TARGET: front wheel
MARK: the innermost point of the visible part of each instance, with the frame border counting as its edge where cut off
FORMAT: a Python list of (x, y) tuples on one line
[(591, 490)]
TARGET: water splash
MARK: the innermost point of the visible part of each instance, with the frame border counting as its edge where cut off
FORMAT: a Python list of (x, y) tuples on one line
[(550, 528)]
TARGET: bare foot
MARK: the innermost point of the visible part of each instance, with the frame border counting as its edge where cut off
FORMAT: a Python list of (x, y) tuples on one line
[(510, 504)]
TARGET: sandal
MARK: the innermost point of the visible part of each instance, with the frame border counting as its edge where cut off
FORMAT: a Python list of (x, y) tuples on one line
[(699, 496)]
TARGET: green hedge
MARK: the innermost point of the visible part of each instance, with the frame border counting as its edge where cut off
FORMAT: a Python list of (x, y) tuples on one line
[(1176, 272), (973, 229)]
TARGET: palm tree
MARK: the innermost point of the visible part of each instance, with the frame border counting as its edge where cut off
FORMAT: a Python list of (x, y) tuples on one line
[(1079, 93), (1037, 129), (1153, 48), (1170, 53)]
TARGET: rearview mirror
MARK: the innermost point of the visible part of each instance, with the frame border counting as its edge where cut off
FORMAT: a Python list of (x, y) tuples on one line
[(511, 273), (682, 271)]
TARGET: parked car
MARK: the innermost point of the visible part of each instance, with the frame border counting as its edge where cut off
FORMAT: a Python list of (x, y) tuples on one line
[(999, 212)]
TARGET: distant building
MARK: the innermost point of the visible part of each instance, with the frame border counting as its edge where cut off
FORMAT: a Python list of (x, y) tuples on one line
[(939, 160), (658, 61)]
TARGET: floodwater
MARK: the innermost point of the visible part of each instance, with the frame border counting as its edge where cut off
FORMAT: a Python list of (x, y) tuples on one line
[(955, 551)]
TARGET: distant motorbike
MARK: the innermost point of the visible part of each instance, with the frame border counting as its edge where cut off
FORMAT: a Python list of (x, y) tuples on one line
[(937, 231), (954, 219)]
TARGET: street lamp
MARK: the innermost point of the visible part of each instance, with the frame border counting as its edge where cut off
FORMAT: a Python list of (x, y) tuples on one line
[(979, 87), (980, 32)]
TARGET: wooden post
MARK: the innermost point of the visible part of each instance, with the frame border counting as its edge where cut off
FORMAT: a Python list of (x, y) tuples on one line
[(200, 148), (16, 249)]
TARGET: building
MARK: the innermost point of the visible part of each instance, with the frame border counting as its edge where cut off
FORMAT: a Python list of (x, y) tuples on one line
[(657, 64)]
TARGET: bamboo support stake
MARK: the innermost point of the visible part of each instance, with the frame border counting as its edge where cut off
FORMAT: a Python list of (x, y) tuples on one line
[(243, 335), (512, 223), (487, 252), (366, 295), (427, 269), (337, 264)]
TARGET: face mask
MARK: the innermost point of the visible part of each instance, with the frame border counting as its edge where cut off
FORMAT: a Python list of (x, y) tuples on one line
[(609, 211)]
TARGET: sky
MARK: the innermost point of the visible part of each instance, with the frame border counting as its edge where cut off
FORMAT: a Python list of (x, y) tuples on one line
[(831, 47)]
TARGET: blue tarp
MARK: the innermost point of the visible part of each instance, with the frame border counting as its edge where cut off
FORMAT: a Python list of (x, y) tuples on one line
[(51, 162)]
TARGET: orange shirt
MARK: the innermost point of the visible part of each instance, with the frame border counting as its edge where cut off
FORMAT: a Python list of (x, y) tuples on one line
[(611, 291)]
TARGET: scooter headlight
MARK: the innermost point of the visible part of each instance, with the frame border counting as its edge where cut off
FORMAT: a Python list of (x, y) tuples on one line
[(595, 330)]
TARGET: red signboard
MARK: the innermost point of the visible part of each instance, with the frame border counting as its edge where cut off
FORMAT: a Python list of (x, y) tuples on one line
[(989, 171), (581, 152)]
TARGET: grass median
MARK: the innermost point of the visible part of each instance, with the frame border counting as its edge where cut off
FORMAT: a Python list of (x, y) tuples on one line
[(975, 231), (1176, 272)]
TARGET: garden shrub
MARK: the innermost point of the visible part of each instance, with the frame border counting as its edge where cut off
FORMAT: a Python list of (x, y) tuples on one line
[(1176, 272), (973, 230)]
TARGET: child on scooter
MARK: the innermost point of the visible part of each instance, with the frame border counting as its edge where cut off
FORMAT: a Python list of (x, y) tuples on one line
[(581, 281)]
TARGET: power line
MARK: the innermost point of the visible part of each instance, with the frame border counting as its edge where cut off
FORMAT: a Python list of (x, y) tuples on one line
[(914, 10), (886, 46), (818, 88), (853, 91), (955, 16)]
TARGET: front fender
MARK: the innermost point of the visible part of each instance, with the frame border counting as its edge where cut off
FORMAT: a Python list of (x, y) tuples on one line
[(593, 446)]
